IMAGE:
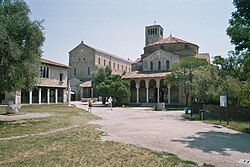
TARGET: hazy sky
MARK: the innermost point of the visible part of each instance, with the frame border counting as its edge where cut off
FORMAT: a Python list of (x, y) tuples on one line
[(117, 26)]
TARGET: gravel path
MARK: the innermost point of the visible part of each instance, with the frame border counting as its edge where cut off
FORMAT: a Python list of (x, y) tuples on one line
[(167, 131)]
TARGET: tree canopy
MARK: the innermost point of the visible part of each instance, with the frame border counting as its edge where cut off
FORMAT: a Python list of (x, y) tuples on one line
[(20, 46), (106, 84), (182, 73), (239, 25)]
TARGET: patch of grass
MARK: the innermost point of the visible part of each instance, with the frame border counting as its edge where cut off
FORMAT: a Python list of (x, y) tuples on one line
[(241, 126), (79, 146)]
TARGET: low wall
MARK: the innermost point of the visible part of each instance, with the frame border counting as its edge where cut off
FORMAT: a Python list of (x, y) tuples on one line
[(234, 113)]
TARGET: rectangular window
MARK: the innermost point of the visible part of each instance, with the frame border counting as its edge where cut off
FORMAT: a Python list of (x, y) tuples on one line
[(41, 71), (104, 62), (99, 61), (61, 76), (75, 71), (113, 65), (88, 71), (47, 72)]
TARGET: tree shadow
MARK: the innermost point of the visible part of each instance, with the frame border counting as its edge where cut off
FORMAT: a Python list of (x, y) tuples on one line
[(218, 142)]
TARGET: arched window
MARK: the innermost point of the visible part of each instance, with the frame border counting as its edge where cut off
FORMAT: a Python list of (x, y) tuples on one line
[(151, 65), (167, 65), (159, 65)]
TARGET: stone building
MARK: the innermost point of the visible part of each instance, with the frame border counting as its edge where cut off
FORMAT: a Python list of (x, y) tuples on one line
[(51, 87), (83, 60), (149, 71)]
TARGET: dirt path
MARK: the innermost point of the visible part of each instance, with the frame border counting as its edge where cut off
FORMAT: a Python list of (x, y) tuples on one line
[(167, 131)]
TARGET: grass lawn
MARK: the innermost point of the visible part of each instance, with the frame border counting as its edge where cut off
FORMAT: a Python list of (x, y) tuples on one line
[(79, 145), (241, 126)]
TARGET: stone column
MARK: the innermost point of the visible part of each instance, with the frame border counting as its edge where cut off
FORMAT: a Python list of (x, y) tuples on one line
[(48, 93), (56, 96), (147, 86), (158, 90), (169, 88), (40, 96), (137, 91), (30, 98)]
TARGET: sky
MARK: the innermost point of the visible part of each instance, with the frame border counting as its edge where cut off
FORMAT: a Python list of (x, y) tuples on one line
[(117, 26)]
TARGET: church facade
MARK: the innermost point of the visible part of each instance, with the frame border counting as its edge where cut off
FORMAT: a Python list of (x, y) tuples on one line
[(148, 71), (83, 60)]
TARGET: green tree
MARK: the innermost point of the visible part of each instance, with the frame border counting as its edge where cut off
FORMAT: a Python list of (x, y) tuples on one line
[(20, 46), (239, 32), (239, 25), (182, 73), (115, 87), (205, 84)]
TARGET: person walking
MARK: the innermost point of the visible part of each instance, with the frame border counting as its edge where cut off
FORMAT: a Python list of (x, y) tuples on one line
[(90, 103), (110, 100)]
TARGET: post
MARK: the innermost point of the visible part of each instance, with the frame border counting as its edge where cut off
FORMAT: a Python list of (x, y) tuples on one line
[(69, 94)]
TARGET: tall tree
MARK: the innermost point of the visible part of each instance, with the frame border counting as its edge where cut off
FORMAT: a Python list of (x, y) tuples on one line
[(239, 25), (239, 32), (20, 46), (182, 73)]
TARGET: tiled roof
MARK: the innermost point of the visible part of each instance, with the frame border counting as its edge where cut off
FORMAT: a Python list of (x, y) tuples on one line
[(204, 56), (137, 60), (86, 84), (145, 74), (112, 55), (171, 40), (45, 61)]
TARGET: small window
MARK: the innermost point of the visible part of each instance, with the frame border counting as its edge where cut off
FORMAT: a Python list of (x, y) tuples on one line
[(47, 72), (75, 71), (151, 65), (104, 62), (118, 66), (159, 65), (113, 65), (61, 76), (122, 67), (167, 65), (99, 61), (88, 71), (126, 68)]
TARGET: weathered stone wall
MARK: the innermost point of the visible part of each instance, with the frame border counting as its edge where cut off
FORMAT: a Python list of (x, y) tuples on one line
[(81, 59), (162, 56)]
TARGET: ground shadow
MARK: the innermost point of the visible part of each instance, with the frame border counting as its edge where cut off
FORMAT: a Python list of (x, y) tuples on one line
[(218, 142)]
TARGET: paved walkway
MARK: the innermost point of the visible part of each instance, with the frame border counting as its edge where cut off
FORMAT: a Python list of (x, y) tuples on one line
[(167, 131)]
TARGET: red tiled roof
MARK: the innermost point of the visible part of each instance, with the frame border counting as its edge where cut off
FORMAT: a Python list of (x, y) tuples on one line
[(145, 74), (171, 40), (45, 61), (86, 84)]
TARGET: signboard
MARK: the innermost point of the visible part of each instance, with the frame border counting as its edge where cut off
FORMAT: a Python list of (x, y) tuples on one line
[(223, 101)]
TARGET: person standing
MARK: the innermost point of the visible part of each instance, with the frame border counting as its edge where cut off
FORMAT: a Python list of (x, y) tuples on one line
[(110, 100), (90, 103)]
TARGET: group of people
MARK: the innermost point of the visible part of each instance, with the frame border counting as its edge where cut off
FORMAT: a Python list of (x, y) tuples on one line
[(109, 100)]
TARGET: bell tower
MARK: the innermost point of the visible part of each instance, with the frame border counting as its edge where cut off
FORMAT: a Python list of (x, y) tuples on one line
[(153, 34)]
